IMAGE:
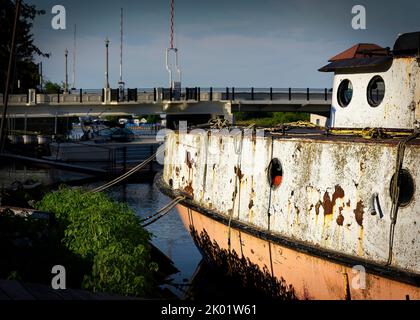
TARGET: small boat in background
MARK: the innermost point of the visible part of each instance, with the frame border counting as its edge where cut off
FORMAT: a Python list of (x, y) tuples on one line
[(98, 140)]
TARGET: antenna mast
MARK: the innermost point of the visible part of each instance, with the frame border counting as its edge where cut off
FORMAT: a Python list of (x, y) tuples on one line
[(121, 82), (175, 85)]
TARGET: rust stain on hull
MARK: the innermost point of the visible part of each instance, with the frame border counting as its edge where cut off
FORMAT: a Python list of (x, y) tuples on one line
[(358, 213), (238, 173), (189, 189), (317, 206), (340, 219), (329, 204)]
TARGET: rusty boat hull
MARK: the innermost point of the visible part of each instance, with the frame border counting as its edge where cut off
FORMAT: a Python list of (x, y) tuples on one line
[(283, 272), (284, 268), (315, 236)]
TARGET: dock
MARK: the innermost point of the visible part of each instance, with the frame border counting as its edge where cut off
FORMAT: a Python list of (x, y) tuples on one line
[(17, 290), (55, 164)]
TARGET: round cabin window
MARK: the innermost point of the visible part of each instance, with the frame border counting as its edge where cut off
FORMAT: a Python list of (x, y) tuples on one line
[(275, 173), (345, 93), (376, 91), (407, 187)]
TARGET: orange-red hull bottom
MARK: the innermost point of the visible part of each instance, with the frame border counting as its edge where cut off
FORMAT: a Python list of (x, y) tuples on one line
[(286, 272)]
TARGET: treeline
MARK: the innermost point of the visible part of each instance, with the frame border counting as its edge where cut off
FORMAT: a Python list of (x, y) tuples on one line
[(25, 74)]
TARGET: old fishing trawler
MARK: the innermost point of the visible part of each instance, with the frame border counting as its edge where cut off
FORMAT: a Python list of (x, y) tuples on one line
[(322, 213)]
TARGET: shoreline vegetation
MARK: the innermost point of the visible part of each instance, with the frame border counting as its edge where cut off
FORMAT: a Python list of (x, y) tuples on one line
[(100, 242), (269, 119)]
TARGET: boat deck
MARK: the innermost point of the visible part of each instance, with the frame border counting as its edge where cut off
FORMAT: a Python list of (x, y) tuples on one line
[(344, 135)]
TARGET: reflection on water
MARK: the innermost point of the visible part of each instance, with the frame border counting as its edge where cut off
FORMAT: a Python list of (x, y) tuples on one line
[(11, 171)]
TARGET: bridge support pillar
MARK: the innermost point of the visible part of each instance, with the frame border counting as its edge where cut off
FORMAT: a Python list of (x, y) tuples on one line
[(107, 95), (159, 94), (31, 96)]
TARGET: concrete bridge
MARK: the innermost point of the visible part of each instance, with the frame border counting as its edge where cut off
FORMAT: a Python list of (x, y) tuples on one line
[(187, 101)]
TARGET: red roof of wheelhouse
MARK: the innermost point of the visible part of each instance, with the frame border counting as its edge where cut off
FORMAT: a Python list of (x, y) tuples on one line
[(361, 50)]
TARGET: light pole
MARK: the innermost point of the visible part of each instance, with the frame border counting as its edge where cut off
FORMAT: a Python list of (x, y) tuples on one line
[(106, 63), (41, 80), (66, 82), (121, 82)]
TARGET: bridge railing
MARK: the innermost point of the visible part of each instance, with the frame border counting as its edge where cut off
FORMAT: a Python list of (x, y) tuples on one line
[(144, 95), (245, 94)]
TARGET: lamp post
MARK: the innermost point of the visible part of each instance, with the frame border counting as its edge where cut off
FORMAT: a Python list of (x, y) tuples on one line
[(121, 82), (66, 82), (106, 63), (41, 80)]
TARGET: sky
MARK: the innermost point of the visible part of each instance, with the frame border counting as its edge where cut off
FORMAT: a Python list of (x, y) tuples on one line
[(241, 43)]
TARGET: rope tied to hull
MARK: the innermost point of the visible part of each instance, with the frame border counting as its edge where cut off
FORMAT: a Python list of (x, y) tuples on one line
[(238, 151), (370, 133), (161, 212), (395, 190), (238, 146), (163, 209), (158, 214), (128, 173)]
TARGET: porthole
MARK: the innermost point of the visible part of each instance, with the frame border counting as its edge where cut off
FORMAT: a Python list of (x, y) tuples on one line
[(275, 173), (345, 93), (376, 91), (407, 187)]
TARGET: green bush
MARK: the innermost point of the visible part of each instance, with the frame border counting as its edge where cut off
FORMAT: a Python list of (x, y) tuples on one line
[(109, 235)]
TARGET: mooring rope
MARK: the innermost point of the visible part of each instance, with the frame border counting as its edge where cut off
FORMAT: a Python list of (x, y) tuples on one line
[(238, 151), (158, 214), (164, 211), (169, 206), (395, 190), (128, 173)]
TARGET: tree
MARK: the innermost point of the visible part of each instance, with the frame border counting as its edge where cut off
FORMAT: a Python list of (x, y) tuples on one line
[(25, 69), (51, 87)]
